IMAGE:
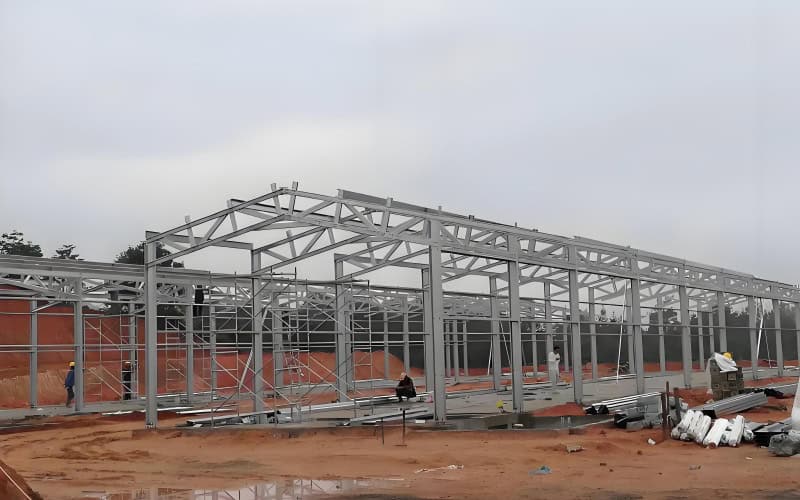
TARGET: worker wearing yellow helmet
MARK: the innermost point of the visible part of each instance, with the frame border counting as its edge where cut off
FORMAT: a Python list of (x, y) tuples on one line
[(69, 383), (728, 355)]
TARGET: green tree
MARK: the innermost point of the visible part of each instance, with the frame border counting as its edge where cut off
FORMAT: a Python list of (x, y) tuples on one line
[(14, 243), (135, 255), (66, 253)]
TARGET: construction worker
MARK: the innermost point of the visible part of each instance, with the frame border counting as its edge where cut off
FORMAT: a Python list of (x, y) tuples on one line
[(69, 383), (405, 388), (553, 361), (728, 355)]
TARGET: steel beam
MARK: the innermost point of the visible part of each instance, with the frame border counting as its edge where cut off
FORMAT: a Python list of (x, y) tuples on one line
[(406, 336), (662, 351), (212, 341), (34, 356), (700, 347), (343, 356), (189, 320), (465, 347), (257, 313), (386, 374), (427, 337), (80, 382)]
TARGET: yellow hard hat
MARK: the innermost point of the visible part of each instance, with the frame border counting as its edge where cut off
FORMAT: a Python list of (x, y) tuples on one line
[(71, 363), (728, 355)]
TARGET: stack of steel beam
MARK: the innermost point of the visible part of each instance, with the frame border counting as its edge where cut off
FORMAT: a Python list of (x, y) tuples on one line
[(733, 404), (614, 405)]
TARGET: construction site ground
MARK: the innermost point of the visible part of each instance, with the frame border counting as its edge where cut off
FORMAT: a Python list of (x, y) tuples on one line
[(69, 457)]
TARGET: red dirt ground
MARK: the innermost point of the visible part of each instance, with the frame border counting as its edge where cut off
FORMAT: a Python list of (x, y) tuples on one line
[(103, 453)]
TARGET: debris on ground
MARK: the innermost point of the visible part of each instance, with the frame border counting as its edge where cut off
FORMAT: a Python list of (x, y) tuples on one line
[(449, 467), (540, 471), (700, 428), (574, 448), (651, 442), (785, 445), (695, 467)]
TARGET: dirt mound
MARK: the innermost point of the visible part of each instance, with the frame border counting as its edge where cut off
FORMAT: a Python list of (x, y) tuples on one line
[(13, 487)]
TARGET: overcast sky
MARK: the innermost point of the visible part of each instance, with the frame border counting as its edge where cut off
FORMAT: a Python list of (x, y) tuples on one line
[(668, 126)]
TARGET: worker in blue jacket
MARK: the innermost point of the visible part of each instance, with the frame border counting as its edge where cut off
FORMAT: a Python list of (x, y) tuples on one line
[(69, 383)]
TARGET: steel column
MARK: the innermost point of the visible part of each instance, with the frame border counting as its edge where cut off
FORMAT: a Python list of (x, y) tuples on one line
[(448, 363), (212, 341), (277, 342), (548, 316), (437, 316), (454, 343), (427, 337), (700, 347), (516, 329), (797, 330), (575, 325), (151, 336), (465, 348), (592, 333), (34, 356), (776, 312), (188, 318), (406, 336), (342, 353), (79, 346), (662, 350), (723, 330), (712, 344), (386, 374), (638, 342), (497, 354), (257, 310), (753, 325), (686, 340)]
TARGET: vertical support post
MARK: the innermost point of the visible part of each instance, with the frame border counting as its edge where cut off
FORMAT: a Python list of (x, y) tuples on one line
[(277, 342), (776, 312), (548, 316), (662, 350), (437, 312), (797, 329), (188, 318), (686, 340), (34, 356), (465, 348), (638, 341), (342, 353), (427, 337), (454, 343), (752, 324), (386, 374), (212, 340), (151, 336), (497, 354), (534, 350), (701, 349), (516, 330), (575, 325), (79, 346), (629, 329), (258, 338), (448, 363), (406, 337), (592, 333), (723, 330), (711, 343)]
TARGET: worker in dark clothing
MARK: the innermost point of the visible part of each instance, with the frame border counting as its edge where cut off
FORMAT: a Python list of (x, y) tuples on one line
[(69, 383), (405, 388), (127, 377)]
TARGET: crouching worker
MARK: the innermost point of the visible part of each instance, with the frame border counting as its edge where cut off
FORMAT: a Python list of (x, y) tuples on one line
[(405, 388)]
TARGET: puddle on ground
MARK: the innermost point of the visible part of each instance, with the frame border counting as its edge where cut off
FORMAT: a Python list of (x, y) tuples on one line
[(292, 489)]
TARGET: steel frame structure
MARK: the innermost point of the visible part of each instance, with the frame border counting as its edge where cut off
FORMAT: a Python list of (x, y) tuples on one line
[(539, 289)]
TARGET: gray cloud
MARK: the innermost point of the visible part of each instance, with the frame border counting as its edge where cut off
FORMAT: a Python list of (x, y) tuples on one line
[(668, 127)]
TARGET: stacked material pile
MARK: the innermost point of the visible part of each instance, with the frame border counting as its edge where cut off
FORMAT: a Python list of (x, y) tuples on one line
[(700, 428)]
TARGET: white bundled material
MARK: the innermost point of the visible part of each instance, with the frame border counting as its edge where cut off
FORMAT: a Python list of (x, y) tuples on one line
[(715, 434), (693, 417), (733, 435), (699, 433), (682, 425)]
